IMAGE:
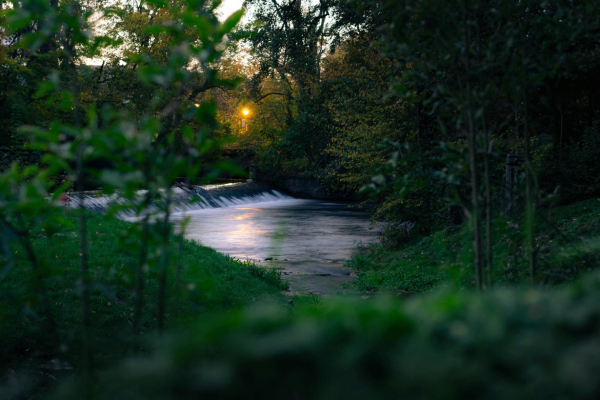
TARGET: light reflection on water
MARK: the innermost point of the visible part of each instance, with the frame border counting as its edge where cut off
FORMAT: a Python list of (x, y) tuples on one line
[(308, 239)]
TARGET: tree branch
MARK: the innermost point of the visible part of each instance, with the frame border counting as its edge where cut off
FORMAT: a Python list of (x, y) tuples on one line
[(271, 94)]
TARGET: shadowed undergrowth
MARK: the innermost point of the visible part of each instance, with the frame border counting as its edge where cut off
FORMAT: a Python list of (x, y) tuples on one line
[(516, 343), (208, 282), (566, 246)]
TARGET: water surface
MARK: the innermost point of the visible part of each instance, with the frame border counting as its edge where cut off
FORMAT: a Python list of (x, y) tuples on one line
[(309, 240)]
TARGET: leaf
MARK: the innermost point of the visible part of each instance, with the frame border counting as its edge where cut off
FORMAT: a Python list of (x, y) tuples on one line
[(44, 89), (231, 22), (378, 179), (226, 166)]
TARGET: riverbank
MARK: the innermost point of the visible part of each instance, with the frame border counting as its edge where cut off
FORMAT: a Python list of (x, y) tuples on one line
[(209, 282), (308, 240), (219, 344), (566, 243)]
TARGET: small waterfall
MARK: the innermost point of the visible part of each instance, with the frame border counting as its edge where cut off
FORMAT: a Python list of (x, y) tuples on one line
[(184, 198)]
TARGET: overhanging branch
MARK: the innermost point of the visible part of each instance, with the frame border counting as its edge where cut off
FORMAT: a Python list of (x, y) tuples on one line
[(273, 94)]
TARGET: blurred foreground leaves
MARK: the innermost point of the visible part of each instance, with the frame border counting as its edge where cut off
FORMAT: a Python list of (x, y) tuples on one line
[(506, 344)]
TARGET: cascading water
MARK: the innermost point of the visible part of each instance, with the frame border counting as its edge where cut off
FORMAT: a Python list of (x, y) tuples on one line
[(308, 240), (184, 198)]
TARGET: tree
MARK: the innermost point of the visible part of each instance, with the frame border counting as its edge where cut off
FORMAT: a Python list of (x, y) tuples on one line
[(287, 39), (147, 47), (140, 147), (355, 82), (470, 64)]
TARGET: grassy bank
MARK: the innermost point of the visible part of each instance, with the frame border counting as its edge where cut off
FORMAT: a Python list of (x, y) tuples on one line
[(567, 243), (208, 282)]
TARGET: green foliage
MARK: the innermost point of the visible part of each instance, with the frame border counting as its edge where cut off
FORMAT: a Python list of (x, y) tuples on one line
[(320, 63), (145, 118), (209, 281), (354, 83), (567, 243), (416, 205), (135, 126), (518, 344), (565, 169), (415, 266), (14, 146), (288, 42), (478, 67)]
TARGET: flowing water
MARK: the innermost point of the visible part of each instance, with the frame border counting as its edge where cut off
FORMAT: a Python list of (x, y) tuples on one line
[(308, 240)]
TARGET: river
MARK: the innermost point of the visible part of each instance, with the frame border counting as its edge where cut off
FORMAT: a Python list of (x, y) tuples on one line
[(309, 240)]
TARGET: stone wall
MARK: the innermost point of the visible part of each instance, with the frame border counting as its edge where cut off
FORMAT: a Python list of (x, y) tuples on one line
[(307, 187)]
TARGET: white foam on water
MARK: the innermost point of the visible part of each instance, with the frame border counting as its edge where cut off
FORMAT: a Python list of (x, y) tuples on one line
[(184, 199)]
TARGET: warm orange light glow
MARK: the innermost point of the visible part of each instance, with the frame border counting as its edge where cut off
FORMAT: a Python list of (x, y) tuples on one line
[(245, 111), (196, 105)]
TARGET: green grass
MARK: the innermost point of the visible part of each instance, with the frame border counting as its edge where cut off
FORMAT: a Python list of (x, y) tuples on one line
[(210, 282), (567, 239)]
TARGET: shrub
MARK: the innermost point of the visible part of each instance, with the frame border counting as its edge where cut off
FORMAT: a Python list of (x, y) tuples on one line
[(506, 344)]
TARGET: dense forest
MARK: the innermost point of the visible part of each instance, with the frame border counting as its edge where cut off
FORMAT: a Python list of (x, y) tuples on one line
[(471, 129)]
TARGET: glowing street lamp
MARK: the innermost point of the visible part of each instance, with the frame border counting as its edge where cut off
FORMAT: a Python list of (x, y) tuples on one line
[(245, 112)]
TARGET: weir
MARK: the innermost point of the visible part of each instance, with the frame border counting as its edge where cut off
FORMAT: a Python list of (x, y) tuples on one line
[(306, 239), (184, 198)]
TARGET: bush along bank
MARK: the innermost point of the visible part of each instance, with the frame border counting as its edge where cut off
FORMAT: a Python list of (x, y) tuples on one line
[(513, 343), (567, 245)]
